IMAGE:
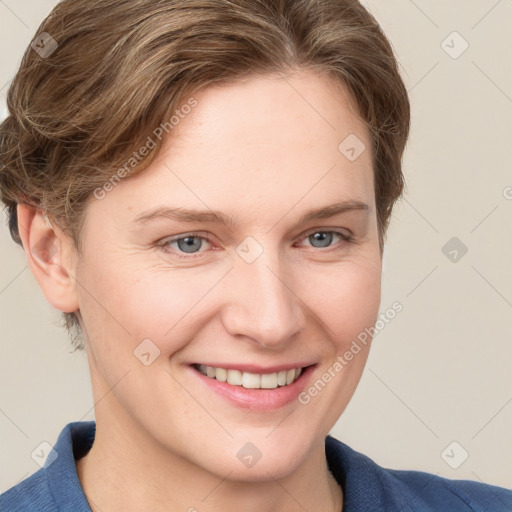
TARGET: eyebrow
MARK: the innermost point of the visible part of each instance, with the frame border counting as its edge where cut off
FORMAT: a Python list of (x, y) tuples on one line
[(216, 217)]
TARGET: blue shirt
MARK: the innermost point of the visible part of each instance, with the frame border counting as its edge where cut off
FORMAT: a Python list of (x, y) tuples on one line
[(367, 487)]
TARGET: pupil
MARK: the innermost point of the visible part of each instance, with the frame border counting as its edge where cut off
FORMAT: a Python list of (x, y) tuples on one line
[(188, 244), (323, 237)]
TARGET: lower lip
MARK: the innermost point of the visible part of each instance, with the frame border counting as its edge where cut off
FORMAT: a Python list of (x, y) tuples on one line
[(257, 399)]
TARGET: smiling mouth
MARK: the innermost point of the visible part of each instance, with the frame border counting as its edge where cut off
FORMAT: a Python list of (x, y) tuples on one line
[(250, 380)]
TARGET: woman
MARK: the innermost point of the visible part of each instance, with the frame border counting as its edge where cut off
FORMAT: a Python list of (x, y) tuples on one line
[(203, 188)]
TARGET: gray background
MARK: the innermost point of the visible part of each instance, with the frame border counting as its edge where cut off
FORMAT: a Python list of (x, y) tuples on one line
[(440, 372)]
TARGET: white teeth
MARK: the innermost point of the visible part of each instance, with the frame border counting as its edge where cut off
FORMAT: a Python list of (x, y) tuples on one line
[(221, 375), (281, 378), (234, 377), (269, 380), (251, 380)]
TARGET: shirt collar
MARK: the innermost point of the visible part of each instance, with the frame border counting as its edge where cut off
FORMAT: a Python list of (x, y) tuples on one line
[(366, 486), (74, 442)]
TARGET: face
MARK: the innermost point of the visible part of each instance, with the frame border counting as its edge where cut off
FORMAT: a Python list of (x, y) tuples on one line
[(270, 288)]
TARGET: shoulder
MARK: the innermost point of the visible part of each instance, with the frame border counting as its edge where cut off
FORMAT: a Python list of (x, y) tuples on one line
[(33, 493), (55, 487), (369, 486), (428, 490)]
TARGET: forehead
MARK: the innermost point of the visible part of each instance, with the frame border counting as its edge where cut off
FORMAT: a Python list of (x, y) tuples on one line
[(281, 114), (259, 143)]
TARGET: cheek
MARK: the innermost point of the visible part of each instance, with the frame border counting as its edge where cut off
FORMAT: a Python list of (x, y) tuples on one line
[(125, 304), (166, 302), (346, 297)]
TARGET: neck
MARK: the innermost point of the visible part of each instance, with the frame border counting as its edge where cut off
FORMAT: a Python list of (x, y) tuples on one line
[(131, 472)]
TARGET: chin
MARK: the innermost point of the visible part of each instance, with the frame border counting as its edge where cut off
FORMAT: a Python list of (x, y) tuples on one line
[(254, 458)]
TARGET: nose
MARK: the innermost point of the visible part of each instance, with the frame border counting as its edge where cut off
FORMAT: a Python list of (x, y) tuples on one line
[(262, 303)]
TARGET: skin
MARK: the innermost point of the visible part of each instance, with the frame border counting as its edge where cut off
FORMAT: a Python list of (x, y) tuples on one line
[(264, 154)]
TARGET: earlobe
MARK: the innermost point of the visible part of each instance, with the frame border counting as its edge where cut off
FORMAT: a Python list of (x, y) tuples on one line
[(48, 250)]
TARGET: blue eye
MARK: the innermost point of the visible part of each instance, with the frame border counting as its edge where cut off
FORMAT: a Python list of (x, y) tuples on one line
[(325, 238), (189, 245)]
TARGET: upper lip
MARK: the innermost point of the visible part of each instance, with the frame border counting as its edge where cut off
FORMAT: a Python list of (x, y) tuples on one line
[(253, 368)]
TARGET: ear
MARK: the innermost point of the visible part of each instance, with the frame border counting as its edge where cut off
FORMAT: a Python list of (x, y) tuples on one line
[(52, 257)]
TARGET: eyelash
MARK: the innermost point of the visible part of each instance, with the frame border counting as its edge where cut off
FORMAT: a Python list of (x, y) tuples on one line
[(165, 244)]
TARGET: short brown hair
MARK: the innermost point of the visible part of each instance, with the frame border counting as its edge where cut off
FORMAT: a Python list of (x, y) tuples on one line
[(121, 68)]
